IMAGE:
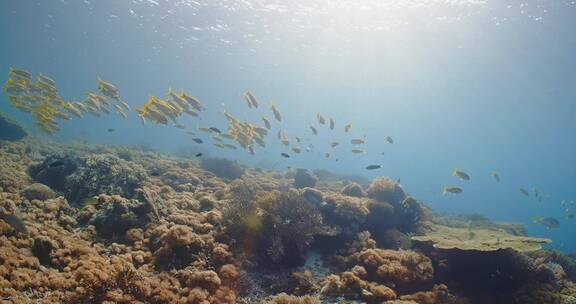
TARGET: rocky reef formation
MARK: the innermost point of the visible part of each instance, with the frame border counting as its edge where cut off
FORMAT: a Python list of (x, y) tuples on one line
[(38, 191), (11, 130), (108, 225), (54, 170), (303, 178), (104, 174), (222, 167)]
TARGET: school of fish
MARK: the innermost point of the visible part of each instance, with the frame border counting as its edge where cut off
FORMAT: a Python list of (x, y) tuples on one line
[(39, 97)]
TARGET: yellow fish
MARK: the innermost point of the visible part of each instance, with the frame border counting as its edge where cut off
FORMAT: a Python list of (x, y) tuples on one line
[(260, 142), (195, 103), (250, 99), (296, 150), (320, 118), (47, 80), (205, 130), (347, 127), (451, 190), (72, 109), (125, 105), (314, 131), (120, 111), (266, 123), (495, 176), (461, 175), (276, 113), (19, 73), (191, 112), (227, 136)]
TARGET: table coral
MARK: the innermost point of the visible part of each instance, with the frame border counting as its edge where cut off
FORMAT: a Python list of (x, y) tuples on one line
[(481, 239)]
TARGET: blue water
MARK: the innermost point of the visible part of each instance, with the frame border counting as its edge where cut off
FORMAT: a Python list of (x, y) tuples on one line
[(478, 85)]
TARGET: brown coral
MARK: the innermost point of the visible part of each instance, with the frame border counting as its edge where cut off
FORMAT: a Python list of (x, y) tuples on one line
[(384, 189)]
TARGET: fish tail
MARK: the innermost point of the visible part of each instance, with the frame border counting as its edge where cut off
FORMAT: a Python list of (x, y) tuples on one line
[(444, 191)]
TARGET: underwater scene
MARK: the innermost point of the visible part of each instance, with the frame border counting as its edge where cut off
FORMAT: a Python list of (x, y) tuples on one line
[(288, 152)]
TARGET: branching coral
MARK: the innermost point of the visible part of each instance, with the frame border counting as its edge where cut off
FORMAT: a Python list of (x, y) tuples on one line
[(403, 268), (289, 228), (177, 246), (371, 270), (353, 284)]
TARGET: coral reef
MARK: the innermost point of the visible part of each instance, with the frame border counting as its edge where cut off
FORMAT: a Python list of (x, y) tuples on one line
[(11, 130), (117, 215), (334, 181), (481, 239), (497, 274), (142, 227), (370, 272), (384, 189), (54, 170), (304, 178), (104, 174), (346, 212), (288, 299), (12, 173), (222, 167), (278, 226), (567, 261), (353, 189), (38, 191)]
